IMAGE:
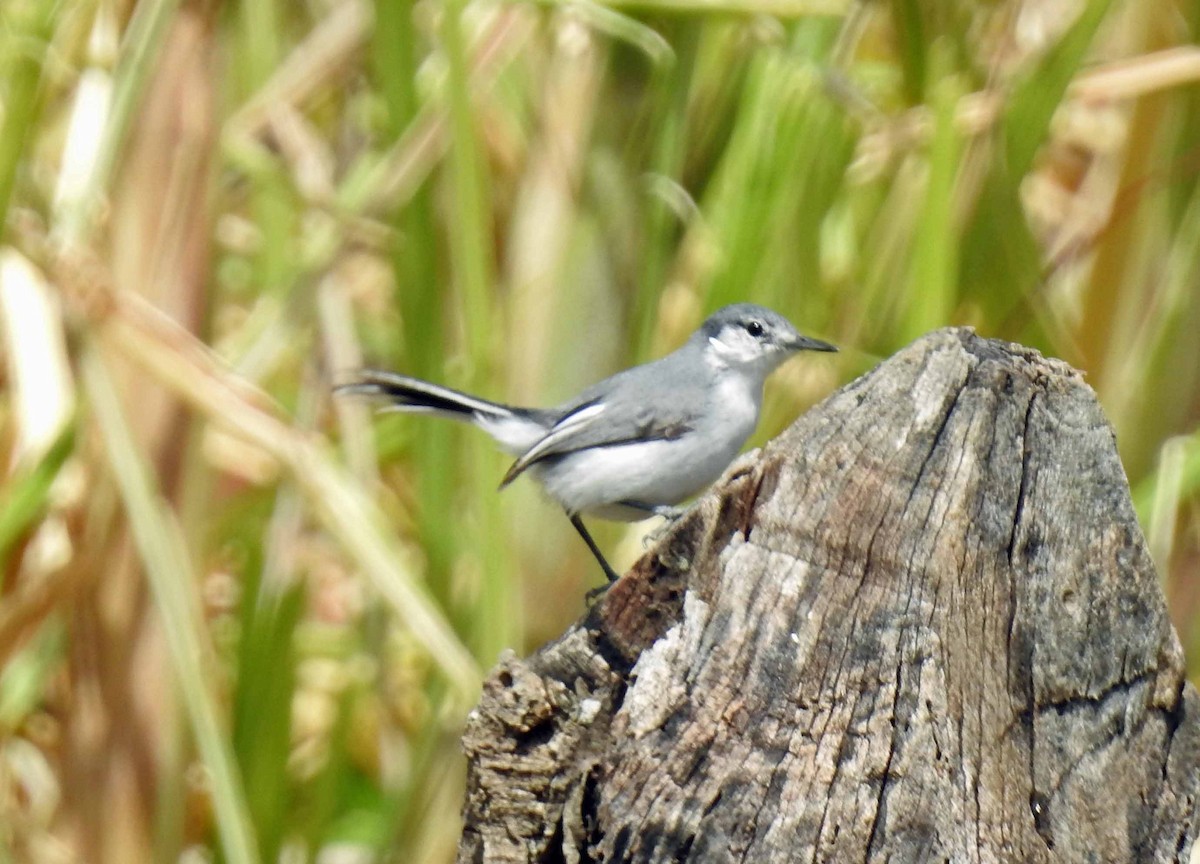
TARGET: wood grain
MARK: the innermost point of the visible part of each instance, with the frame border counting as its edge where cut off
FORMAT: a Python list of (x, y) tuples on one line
[(921, 625)]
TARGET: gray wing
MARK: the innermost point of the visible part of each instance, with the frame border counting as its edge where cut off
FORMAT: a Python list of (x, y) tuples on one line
[(645, 403)]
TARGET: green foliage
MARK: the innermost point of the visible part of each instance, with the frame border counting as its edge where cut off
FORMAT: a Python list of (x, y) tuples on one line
[(25, 498), (1039, 93), (262, 707), (25, 30), (514, 200)]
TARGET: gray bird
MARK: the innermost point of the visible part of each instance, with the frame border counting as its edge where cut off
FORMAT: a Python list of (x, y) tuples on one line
[(635, 444)]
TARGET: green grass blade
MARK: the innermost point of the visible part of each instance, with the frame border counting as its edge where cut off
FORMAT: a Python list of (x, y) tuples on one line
[(471, 239), (172, 583), (23, 501), (933, 273), (787, 126), (908, 21), (421, 346), (30, 26), (668, 91), (262, 709), (607, 20), (28, 674), (1157, 499), (342, 504), (1034, 101)]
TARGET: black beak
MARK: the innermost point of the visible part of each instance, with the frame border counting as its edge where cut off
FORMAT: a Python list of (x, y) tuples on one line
[(805, 343)]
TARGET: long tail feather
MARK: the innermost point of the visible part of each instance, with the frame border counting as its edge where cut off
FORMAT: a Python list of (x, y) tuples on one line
[(412, 394), (514, 429)]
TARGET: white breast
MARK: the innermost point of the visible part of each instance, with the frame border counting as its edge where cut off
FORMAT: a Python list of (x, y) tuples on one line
[(656, 472)]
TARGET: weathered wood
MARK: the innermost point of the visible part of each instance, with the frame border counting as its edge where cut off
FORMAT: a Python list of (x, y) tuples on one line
[(921, 625)]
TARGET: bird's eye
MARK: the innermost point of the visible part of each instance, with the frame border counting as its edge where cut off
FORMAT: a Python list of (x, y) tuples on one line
[(755, 329)]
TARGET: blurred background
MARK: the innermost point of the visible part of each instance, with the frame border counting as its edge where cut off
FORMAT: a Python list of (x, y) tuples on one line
[(242, 622)]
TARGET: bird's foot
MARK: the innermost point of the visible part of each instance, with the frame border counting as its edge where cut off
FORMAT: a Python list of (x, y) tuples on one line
[(671, 514), (592, 597), (667, 512)]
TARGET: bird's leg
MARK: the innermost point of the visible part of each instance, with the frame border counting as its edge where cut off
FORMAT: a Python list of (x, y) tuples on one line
[(612, 575), (671, 514)]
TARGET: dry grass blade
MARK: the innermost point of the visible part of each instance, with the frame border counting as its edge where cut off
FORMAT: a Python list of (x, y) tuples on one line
[(137, 57), (778, 8), (173, 584), (341, 347), (314, 64), (26, 608), (1140, 76), (1160, 522), (187, 368), (37, 356), (515, 200), (403, 168), (979, 111)]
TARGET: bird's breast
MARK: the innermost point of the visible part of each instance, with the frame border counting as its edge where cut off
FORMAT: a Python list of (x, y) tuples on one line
[(733, 412), (656, 471)]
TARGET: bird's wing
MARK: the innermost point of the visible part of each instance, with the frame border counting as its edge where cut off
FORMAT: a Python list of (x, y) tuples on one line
[(603, 422)]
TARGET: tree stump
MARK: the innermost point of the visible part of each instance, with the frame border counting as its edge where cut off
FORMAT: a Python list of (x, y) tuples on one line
[(921, 625)]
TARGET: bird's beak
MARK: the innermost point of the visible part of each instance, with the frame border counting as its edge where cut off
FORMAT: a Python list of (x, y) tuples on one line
[(804, 343)]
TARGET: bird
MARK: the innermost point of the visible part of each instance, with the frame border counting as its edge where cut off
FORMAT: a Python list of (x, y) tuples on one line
[(638, 443)]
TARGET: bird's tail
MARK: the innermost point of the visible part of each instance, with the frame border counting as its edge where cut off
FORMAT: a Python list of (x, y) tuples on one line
[(403, 393), (514, 429)]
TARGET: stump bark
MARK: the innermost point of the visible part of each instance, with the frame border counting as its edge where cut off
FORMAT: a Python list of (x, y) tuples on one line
[(921, 625)]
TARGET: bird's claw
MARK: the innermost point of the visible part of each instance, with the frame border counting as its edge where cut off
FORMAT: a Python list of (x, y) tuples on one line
[(671, 515)]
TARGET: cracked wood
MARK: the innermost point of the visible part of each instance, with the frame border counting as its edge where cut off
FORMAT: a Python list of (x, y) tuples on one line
[(921, 625)]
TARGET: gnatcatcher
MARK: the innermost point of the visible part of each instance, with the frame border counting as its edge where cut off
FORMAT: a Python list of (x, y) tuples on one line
[(636, 444)]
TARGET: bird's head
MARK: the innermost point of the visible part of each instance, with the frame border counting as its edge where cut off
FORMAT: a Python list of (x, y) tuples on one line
[(752, 338)]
